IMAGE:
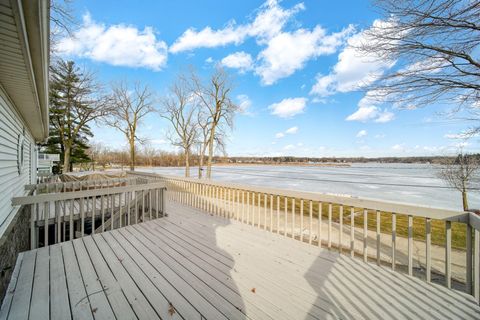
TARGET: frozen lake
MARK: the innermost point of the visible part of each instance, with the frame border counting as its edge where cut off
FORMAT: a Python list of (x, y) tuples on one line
[(411, 183)]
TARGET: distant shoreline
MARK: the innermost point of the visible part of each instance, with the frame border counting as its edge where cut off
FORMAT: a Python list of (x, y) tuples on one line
[(296, 164)]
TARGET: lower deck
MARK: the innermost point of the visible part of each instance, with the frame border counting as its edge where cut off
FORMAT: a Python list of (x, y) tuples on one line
[(192, 265)]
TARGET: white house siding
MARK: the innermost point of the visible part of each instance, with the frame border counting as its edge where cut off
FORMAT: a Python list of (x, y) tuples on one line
[(12, 183)]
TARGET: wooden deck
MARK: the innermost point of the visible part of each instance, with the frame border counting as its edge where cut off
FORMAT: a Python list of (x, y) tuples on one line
[(193, 265)]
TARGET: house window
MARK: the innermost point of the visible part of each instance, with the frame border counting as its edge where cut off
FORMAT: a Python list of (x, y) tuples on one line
[(20, 153)]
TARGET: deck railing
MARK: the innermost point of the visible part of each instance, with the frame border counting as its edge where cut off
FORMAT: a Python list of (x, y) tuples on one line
[(65, 212), (382, 231), (80, 185)]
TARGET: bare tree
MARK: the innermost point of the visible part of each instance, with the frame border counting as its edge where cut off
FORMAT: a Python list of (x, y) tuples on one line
[(214, 97), (433, 43), (204, 128), (129, 107), (460, 173), (149, 152), (62, 20), (179, 108)]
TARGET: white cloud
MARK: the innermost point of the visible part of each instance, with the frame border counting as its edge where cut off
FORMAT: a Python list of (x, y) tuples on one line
[(354, 70), (269, 21), (238, 60), (398, 147), (288, 52), (289, 147), (285, 52), (361, 133), (288, 107), (380, 136), (244, 104), (119, 45), (292, 130), (368, 110), (209, 60), (385, 116), (363, 114)]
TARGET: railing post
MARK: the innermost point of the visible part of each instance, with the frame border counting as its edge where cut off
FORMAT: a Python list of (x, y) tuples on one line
[(469, 259), (448, 254)]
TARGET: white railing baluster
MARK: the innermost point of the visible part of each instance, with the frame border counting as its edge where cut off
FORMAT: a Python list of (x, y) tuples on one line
[(248, 207), (271, 213), (340, 230), (410, 245), (33, 238), (329, 226), (301, 220), (265, 211), (394, 239), (476, 265), (254, 209), (293, 218), (379, 243), (468, 253), (428, 244), (352, 232), (310, 221), (319, 226), (365, 235), (72, 207), (286, 217), (82, 217)]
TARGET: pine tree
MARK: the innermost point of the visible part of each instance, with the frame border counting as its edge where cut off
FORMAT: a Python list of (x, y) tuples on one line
[(74, 102)]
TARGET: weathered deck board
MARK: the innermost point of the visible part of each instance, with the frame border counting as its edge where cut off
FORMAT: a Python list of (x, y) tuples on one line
[(192, 265)]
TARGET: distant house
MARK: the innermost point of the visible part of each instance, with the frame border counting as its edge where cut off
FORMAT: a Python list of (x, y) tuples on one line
[(24, 60)]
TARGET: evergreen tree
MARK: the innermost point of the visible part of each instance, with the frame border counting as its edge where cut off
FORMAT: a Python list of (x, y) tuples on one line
[(74, 102)]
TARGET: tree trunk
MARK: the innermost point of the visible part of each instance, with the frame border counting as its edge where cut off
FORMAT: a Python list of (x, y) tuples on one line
[(132, 155), (464, 200), (187, 163), (210, 152), (66, 158), (201, 157)]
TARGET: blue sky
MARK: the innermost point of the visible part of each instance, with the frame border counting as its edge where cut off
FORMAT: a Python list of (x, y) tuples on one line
[(295, 70)]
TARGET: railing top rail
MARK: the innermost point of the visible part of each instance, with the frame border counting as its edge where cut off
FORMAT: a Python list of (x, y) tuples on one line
[(84, 194), (78, 182), (366, 203)]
